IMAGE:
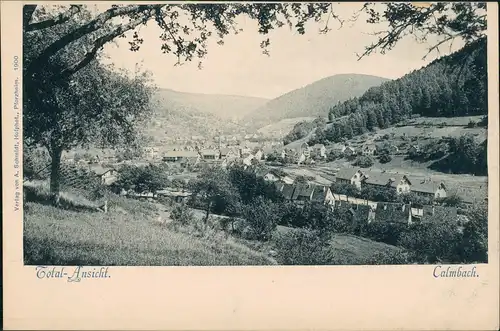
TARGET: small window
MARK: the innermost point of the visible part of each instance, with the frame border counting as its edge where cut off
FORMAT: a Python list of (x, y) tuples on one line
[(399, 189)]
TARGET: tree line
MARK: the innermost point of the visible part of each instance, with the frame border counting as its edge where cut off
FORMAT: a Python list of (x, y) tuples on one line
[(454, 85)]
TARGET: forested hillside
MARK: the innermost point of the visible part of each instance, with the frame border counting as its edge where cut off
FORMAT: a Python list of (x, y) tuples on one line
[(454, 85), (314, 99)]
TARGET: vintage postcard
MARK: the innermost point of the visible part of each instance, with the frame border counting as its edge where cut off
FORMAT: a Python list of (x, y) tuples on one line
[(250, 165)]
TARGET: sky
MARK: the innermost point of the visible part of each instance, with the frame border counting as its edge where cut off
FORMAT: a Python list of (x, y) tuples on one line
[(239, 67)]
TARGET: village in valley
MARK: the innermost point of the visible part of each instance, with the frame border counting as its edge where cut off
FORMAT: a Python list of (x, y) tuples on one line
[(299, 171), (338, 169)]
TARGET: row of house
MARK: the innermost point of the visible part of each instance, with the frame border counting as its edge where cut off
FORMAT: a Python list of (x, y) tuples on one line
[(368, 211), (225, 156), (399, 182)]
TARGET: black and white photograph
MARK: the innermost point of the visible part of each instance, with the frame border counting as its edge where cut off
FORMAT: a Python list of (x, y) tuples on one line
[(255, 134)]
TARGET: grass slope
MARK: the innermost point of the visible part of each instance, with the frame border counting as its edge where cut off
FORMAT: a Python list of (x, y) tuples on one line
[(127, 235), (282, 127), (131, 235)]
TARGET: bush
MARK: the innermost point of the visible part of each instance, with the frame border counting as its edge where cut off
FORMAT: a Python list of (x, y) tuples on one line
[(334, 155), (182, 214), (389, 258), (472, 124), (261, 217), (385, 158), (364, 162), (303, 247)]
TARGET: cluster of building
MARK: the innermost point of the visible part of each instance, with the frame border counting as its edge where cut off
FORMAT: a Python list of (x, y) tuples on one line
[(246, 154), (304, 154), (365, 210), (398, 182)]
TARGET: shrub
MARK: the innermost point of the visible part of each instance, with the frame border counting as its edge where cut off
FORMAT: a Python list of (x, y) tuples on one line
[(261, 217), (303, 247), (182, 214), (389, 258), (472, 124), (385, 158), (364, 162)]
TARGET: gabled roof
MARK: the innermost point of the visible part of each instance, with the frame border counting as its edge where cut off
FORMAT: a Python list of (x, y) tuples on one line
[(346, 173), (384, 178), (426, 186), (320, 193), (100, 170), (288, 190), (302, 191), (318, 146), (279, 186), (225, 151)]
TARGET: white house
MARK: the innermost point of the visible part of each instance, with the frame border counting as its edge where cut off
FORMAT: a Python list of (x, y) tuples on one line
[(369, 149), (105, 174), (301, 159), (304, 149), (350, 176), (248, 160), (258, 155), (398, 182), (429, 189), (270, 177), (151, 152), (320, 150)]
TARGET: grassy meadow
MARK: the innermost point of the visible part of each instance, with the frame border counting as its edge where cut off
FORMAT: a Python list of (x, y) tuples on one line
[(140, 233)]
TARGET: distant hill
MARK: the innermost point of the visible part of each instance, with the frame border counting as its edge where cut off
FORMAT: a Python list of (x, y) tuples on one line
[(231, 107), (312, 100), (451, 86), (180, 114)]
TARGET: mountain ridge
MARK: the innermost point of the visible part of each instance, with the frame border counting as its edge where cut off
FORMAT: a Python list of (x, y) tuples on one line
[(314, 99)]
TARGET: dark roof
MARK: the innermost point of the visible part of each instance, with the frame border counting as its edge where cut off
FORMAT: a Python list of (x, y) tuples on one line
[(320, 193), (279, 186), (287, 191), (425, 187), (346, 173), (302, 191), (383, 178)]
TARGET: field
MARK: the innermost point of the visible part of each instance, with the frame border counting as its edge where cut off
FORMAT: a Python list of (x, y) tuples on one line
[(282, 127), (129, 234), (139, 233)]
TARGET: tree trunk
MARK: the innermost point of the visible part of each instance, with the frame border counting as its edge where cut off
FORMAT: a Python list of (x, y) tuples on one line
[(55, 175), (209, 205)]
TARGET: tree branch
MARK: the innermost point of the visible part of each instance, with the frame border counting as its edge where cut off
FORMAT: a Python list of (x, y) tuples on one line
[(98, 44), (59, 19), (82, 31), (28, 11)]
